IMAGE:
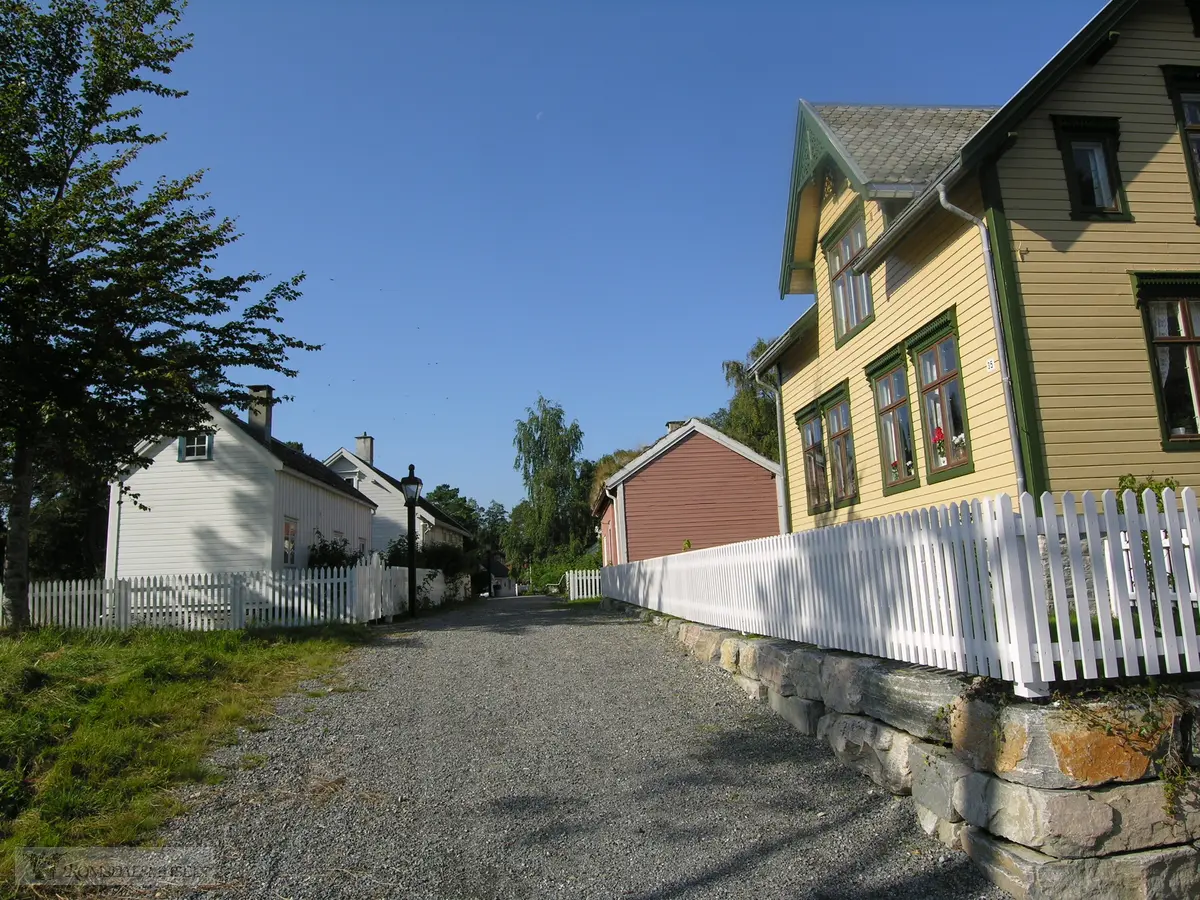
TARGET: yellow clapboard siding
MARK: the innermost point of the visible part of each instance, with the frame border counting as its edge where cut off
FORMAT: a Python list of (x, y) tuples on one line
[(1091, 364), (940, 268)]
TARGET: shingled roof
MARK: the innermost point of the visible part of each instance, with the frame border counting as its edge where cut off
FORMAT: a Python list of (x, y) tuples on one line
[(300, 462), (902, 144)]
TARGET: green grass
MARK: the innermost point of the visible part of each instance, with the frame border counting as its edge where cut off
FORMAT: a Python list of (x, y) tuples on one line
[(95, 727), (582, 602)]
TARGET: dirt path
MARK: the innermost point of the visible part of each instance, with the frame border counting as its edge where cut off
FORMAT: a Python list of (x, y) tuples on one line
[(522, 749)]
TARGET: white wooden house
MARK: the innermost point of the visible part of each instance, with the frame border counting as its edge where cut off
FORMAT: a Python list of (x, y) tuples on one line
[(236, 499), (358, 469)]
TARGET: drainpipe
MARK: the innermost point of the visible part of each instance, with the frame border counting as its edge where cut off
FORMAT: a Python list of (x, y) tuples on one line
[(785, 524), (998, 324), (618, 523)]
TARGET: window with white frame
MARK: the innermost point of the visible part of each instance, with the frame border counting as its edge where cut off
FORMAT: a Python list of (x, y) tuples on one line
[(195, 446), (291, 528)]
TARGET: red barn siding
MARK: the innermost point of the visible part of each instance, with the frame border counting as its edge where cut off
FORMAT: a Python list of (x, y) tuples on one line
[(698, 491)]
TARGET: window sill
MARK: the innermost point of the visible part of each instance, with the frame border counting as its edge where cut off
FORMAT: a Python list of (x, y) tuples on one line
[(818, 510), (1097, 216), (1182, 445), (840, 341), (901, 486), (966, 468), (849, 501)]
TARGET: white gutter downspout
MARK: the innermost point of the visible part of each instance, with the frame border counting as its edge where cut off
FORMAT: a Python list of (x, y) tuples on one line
[(780, 486), (621, 551), (998, 324)]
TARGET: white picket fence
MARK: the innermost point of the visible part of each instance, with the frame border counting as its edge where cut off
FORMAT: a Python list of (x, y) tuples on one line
[(981, 587), (582, 584), (219, 600)]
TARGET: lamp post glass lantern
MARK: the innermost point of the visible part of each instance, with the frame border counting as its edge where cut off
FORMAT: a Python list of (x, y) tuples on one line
[(411, 485)]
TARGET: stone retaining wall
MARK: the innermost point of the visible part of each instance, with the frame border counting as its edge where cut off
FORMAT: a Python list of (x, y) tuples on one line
[(1048, 800)]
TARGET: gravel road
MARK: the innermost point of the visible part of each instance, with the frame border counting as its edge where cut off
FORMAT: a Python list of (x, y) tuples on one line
[(523, 749)]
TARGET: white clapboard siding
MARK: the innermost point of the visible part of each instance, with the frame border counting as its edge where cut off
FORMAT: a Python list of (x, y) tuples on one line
[(583, 584), (1034, 593), (219, 600)]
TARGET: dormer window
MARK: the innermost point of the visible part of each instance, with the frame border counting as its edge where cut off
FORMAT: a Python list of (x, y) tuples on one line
[(195, 446), (852, 307), (1089, 152)]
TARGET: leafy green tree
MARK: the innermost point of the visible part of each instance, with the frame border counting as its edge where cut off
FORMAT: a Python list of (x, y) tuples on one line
[(548, 459), (493, 522), (750, 415), (450, 500), (115, 324), (606, 467), (519, 542), (68, 524)]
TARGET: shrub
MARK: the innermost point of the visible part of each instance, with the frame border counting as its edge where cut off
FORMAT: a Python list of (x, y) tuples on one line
[(332, 554), (449, 559)]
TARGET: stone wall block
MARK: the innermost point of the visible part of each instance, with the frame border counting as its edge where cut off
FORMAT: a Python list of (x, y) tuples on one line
[(936, 773), (731, 649), (843, 677), (770, 664), (949, 833), (1024, 873), (877, 750), (707, 644), (754, 688), (915, 699), (1074, 823), (803, 715), (804, 671), (1043, 746)]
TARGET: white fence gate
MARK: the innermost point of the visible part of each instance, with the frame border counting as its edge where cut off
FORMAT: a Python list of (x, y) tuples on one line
[(981, 587), (583, 584), (219, 600)]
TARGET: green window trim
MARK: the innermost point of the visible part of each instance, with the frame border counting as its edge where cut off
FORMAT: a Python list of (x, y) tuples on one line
[(1147, 287), (937, 329), (1181, 80), (851, 214), (886, 361), (181, 447), (883, 365), (818, 409), (1106, 130), (867, 320), (851, 217), (811, 413), (1020, 358)]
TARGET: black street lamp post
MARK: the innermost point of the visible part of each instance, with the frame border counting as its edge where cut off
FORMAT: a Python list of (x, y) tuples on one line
[(412, 493)]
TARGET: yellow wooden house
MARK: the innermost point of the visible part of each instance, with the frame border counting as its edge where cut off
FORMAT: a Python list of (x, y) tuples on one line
[(1007, 298)]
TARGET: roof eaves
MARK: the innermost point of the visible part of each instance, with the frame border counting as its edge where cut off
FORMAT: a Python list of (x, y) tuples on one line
[(780, 345), (806, 113), (853, 170), (993, 134), (869, 259), (902, 190), (671, 438)]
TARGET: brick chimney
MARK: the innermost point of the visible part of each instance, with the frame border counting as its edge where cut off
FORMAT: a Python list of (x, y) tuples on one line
[(259, 415), (364, 448), (675, 425)]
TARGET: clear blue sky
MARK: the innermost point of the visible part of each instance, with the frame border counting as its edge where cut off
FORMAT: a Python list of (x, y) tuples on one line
[(582, 199)]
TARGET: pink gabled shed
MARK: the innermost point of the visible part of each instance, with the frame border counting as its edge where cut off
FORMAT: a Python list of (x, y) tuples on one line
[(696, 487)]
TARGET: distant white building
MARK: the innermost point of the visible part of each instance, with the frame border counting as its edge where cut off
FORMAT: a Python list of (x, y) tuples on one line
[(234, 500), (358, 470)]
